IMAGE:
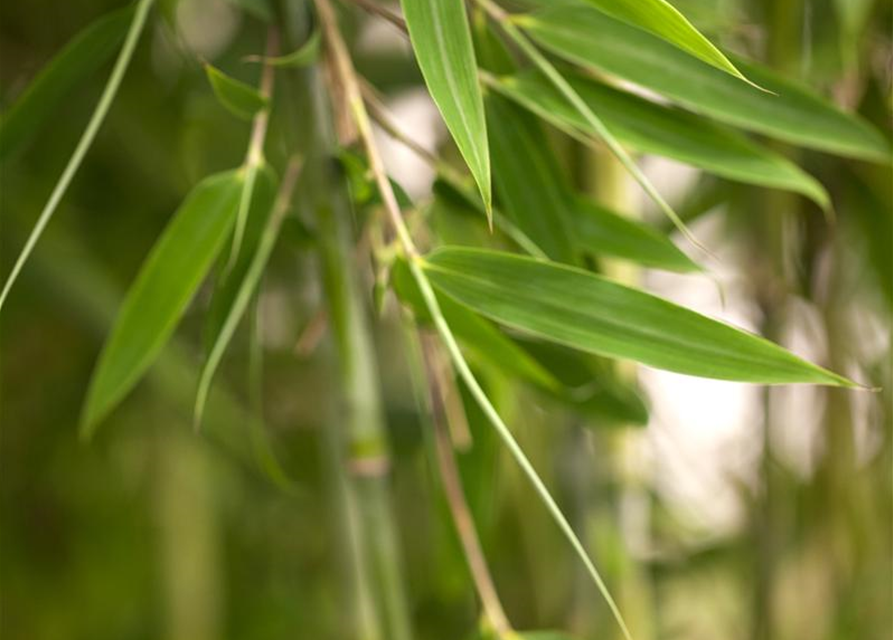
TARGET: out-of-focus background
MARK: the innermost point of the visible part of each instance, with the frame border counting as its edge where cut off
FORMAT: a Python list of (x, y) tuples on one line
[(738, 512)]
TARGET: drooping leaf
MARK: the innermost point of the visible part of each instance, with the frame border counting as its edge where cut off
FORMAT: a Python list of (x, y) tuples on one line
[(589, 385), (602, 231), (77, 61), (665, 21), (303, 56), (794, 114), (161, 292), (647, 127), (441, 40), (233, 274), (240, 99), (584, 311), (476, 333), (531, 189), (240, 281)]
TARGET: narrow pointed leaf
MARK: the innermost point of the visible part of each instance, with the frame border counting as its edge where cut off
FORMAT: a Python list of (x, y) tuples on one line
[(304, 56), (664, 20), (72, 66), (161, 292), (793, 114), (239, 283), (586, 312), (602, 231), (476, 333), (240, 99), (442, 43), (529, 183), (647, 127)]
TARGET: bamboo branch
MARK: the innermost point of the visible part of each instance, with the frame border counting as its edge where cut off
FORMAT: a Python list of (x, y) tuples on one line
[(452, 488), (371, 6)]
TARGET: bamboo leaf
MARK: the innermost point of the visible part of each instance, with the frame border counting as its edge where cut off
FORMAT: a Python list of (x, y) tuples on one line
[(260, 9), (794, 115), (304, 56), (529, 184), (647, 127), (602, 231), (240, 99), (161, 292), (586, 312), (76, 62), (476, 333), (665, 21), (239, 283), (442, 43)]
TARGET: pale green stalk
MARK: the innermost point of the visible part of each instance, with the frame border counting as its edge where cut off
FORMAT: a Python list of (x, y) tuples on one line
[(84, 144), (350, 84)]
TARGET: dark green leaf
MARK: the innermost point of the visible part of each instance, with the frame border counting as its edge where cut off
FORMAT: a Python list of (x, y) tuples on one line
[(648, 127), (584, 311), (161, 292), (242, 100), (260, 9), (604, 232), (531, 189), (441, 40), (794, 114), (69, 68)]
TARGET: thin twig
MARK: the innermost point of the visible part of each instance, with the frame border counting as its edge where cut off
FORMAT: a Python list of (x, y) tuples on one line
[(452, 488), (374, 8)]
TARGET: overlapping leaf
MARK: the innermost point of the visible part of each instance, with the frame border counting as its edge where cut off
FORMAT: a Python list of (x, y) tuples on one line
[(166, 283), (648, 127), (793, 114), (584, 311), (442, 43)]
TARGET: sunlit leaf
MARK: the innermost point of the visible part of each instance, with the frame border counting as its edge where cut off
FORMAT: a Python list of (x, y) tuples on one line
[(651, 128), (441, 40), (795, 115), (161, 292), (664, 20), (242, 100), (587, 312), (71, 67)]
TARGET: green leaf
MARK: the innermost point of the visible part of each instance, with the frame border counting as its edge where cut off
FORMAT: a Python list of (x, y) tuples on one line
[(304, 56), (242, 100), (476, 333), (664, 20), (794, 115), (647, 127), (161, 292), (233, 274), (238, 283), (529, 183), (586, 312), (604, 232), (69, 68), (544, 635), (441, 40)]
